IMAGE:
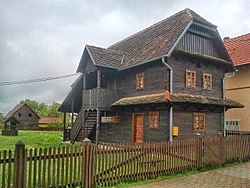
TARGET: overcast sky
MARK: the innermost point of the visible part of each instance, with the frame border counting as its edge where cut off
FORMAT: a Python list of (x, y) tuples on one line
[(43, 38)]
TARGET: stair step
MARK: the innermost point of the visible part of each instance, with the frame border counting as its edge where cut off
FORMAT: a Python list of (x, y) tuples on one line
[(90, 127)]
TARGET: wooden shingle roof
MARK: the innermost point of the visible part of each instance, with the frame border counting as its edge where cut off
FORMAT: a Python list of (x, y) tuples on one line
[(177, 98), (239, 49), (105, 57), (149, 44), (158, 39)]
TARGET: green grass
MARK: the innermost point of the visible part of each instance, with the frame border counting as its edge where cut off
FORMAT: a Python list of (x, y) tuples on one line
[(130, 183), (32, 139)]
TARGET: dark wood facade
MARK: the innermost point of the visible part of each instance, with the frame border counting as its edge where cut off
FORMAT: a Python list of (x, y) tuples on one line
[(25, 118), (109, 78)]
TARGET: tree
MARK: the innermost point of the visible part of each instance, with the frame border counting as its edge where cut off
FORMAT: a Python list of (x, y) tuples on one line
[(43, 110), (1, 120), (53, 110)]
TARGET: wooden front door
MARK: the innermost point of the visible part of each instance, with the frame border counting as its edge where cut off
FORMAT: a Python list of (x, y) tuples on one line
[(138, 125)]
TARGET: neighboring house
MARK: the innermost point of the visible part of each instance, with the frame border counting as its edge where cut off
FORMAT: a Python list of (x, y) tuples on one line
[(166, 77), (238, 85), (44, 122), (23, 117)]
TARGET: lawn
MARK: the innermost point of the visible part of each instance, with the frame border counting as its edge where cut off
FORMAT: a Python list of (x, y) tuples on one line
[(32, 139)]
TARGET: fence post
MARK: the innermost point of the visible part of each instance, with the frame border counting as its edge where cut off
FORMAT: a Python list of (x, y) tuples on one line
[(86, 143), (19, 165), (199, 152), (222, 160)]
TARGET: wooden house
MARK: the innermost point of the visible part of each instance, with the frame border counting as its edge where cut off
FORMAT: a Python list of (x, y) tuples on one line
[(162, 80), (23, 117), (238, 84)]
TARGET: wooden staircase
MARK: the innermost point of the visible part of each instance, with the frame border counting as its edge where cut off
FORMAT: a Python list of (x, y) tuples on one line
[(90, 126)]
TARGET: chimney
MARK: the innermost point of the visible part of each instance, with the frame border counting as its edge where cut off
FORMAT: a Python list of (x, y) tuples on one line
[(226, 38)]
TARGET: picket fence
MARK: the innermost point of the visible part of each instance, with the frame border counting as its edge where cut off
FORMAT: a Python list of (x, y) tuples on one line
[(91, 165)]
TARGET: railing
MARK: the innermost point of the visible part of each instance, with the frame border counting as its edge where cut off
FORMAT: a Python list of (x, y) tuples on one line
[(76, 127), (233, 133), (100, 98)]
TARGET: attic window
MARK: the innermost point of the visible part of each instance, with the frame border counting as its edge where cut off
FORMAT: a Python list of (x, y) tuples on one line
[(190, 79), (154, 120), (30, 115), (207, 81), (140, 81), (198, 121)]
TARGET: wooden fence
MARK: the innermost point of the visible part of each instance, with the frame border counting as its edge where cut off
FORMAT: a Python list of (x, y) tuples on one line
[(92, 165)]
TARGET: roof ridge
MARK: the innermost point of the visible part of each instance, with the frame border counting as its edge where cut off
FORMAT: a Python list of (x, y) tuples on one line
[(147, 28), (108, 49), (197, 16), (237, 37), (16, 107)]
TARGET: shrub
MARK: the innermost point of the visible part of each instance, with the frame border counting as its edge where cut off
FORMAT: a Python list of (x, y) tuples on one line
[(55, 124)]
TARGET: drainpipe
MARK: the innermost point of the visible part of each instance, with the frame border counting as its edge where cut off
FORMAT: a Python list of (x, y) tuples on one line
[(170, 91), (224, 97)]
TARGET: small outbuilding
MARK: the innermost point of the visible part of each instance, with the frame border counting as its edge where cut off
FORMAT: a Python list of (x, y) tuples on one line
[(20, 117)]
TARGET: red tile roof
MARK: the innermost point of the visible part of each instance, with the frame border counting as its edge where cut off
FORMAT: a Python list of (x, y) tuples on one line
[(239, 49), (50, 120)]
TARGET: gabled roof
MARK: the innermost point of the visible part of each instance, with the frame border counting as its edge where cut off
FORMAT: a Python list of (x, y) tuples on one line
[(107, 57), (102, 57), (239, 49), (159, 39), (177, 98), (15, 109), (149, 44)]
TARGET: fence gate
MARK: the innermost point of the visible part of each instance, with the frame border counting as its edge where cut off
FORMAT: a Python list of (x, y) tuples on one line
[(212, 151)]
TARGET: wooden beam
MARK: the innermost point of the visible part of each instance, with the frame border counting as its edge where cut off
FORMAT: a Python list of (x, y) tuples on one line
[(214, 108), (84, 82), (199, 109), (64, 125), (72, 112), (97, 125), (98, 79), (186, 107)]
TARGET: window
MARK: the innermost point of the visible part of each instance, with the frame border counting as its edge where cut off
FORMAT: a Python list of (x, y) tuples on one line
[(198, 121), (30, 115), (190, 79), (154, 120), (19, 114), (140, 81), (233, 125), (207, 81)]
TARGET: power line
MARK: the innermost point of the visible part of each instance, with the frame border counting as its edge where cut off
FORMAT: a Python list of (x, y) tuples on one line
[(16, 82)]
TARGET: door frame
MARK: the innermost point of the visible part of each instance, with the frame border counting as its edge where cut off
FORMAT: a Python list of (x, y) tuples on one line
[(133, 126)]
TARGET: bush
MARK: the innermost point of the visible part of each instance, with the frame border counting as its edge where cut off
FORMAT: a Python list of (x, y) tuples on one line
[(1, 125), (55, 124)]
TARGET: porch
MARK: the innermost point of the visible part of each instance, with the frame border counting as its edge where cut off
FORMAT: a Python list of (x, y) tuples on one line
[(100, 98)]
